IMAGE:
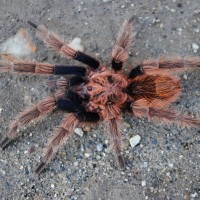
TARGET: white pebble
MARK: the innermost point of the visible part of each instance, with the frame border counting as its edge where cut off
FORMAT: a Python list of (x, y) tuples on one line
[(99, 147), (171, 165), (134, 140), (145, 165), (172, 10), (143, 183), (78, 131), (185, 76), (194, 195), (126, 125), (76, 44), (106, 141), (3, 172), (52, 185), (87, 155), (168, 173), (196, 30), (179, 29), (19, 45), (1, 110), (195, 47)]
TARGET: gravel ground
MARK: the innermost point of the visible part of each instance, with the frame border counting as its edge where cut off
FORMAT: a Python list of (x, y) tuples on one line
[(165, 165)]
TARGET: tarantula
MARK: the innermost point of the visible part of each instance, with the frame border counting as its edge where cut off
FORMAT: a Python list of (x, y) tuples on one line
[(101, 94)]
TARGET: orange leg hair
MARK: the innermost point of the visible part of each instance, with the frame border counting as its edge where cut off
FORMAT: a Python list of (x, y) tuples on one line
[(25, 67), (60, 136), (170, 65), (162, 115), (40, 110), (122, 44)]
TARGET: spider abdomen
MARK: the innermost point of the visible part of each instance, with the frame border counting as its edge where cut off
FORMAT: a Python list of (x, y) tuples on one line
[(160, 89)]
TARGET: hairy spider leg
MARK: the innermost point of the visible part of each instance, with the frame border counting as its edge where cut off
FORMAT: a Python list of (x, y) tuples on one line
[(60, 136), (39, 111), (163, 115), (119, 53), (62, 82), (74, 105), (170, 65), (65, 130), (58, 45), (114, 134), (25, 67)]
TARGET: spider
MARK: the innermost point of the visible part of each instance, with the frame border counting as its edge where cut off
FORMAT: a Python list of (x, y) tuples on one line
[(96, 93)]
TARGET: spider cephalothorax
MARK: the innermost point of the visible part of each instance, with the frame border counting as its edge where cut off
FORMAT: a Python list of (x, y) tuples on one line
[(99, 94)]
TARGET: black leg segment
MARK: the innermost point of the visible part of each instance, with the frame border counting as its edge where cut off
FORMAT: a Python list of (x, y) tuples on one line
[(116, 65), (76, 80), (68, 105), (69, 70), (88, 116), (137, 71), (74, 97), (86, 59), (81, 113), (127, 107)]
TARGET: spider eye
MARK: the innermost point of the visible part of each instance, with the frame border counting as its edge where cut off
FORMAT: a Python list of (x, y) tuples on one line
[(110, 79), (89, 88)]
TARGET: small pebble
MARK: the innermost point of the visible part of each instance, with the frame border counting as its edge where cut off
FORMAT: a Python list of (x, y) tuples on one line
[(135, 140), (155, 142), (143, 183), (172, 10), (194, 195), (1, 110), (145, 165), (171, 165), (196, 30), (185, 76), (106, 141), (76, 44), (86, 129), (52, 186), (78, 131), (62, 168), (168, 148), (195, 47), (168, 173), (99, 147), (126, 125), (87, 155)]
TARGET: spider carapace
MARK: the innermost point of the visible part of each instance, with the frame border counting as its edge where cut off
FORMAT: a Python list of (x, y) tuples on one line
[(97, 93)]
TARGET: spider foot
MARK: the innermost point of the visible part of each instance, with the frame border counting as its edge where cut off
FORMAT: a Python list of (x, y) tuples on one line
[(40, 167), (5, 143), (32, 24), (121, 162)]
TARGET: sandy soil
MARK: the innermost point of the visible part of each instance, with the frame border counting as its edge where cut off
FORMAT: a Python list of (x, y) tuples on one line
[(166, 164)]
